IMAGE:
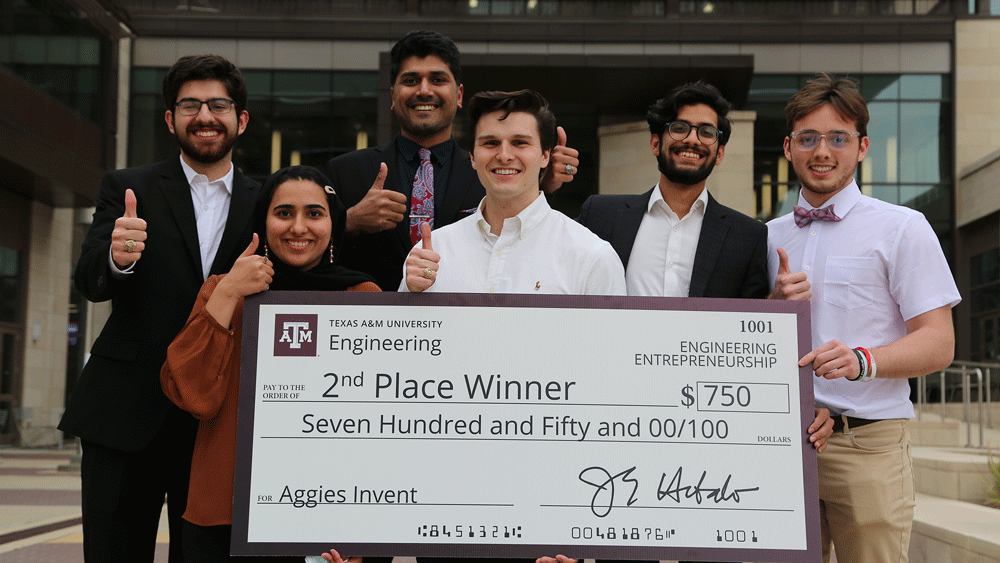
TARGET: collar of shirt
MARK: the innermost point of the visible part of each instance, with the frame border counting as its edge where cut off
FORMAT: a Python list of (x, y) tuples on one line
[(194, 178), (656, 201), (843, 201), (522, 223), (441, 152)]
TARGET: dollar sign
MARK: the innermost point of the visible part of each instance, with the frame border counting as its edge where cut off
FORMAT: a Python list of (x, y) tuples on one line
[(688, 400)]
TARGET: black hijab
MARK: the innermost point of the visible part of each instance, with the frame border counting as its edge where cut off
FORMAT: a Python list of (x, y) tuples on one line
[(325, 276)]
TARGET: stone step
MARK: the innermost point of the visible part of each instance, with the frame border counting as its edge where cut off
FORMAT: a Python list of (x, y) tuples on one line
[(950, 531), (952, 473)]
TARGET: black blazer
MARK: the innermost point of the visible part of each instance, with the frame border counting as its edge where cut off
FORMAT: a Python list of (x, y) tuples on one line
[(382, 254), (118, 401), (731, 259)]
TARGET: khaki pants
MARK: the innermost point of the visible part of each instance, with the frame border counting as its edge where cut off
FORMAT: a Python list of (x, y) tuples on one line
[(866, 493)]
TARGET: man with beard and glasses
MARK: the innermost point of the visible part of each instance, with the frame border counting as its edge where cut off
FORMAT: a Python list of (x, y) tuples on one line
[(425, 175), (158, 232), (675, 240)]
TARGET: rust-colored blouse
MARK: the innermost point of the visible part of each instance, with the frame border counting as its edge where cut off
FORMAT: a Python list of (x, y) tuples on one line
[(201, 376)]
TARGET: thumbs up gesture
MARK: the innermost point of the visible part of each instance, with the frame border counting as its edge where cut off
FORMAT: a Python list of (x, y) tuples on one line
[(422, 263), (563, 164), (250, 273), (379, 210), (128, 239), (789, 286)]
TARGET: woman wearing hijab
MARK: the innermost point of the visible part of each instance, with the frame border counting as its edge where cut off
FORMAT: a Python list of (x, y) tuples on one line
[(298, 229)]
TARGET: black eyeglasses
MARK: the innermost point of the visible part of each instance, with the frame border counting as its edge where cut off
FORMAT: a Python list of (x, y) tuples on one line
[(809, 140), (679, 131), (191, 106)]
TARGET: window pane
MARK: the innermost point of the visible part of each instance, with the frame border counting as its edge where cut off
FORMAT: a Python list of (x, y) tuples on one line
[(302, 83), (919, 132), (922, 87), (985, 267), (882, 161), (880, 87), (258, 81), (886, 193), (772, 88), (148, 80)]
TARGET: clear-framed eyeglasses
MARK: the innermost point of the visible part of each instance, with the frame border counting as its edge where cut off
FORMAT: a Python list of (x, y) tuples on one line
[(679, 130), (809, 140), (191, 106)]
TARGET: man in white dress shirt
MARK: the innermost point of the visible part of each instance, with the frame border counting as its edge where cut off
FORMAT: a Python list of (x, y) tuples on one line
[(881, 297), (514, 242)]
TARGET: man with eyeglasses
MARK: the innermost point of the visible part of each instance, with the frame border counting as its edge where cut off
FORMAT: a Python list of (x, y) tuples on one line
[(676, 240), (881, 294), (158, 232)]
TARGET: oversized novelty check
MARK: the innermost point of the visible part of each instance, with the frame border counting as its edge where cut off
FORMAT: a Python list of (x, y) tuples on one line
[(523, 426)]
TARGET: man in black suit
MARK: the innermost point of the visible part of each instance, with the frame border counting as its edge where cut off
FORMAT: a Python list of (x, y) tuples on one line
[(675, 240), (158, 232), (426, 92)]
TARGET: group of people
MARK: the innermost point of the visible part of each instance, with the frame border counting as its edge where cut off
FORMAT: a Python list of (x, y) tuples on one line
[(177, 246)]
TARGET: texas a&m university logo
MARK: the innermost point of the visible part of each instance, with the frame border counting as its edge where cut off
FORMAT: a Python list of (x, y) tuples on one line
[(295, 335)]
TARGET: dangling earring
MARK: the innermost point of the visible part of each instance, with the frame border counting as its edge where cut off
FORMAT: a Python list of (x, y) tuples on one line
[(265, 252), (331, 252)]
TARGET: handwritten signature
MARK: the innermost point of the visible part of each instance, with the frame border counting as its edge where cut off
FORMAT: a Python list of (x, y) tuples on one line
[(604, 489)]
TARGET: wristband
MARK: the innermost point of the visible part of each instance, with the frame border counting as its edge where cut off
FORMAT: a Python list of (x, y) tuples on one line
[(869, 365), (861, 365)]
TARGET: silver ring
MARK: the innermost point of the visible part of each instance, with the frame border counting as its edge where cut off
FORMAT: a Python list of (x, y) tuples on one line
[(129, 245), (570, 169)]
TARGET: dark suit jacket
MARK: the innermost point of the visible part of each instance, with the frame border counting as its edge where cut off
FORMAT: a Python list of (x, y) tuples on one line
[(118, 401), (731, 259), (382, 254)]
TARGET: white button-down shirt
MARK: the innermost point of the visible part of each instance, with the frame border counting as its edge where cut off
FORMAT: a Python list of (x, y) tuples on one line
[(878, 267), (211, 209), (663, 253), (540, 250)]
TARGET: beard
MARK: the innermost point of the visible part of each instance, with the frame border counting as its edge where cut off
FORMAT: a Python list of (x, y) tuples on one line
[(201, 153), (683, 176)]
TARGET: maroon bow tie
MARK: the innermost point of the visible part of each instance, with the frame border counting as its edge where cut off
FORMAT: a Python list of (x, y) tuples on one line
[(805, 216)]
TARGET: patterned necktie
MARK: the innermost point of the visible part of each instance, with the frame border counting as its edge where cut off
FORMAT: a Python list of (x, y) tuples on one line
[(805, 216), (422, 197)]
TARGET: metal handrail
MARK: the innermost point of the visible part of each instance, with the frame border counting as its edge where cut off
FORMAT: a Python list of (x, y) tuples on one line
[(964, 369)]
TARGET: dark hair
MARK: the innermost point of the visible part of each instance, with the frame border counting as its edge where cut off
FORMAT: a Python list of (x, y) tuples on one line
[(841, 93), (205, 67), (338, 211), (526, 101), (422, 44), (665, 109)]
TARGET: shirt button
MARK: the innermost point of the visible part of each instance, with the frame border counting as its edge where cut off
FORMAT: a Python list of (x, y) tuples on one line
[(806, 268), (491, 290), (206, 208), (812, 233), (499, 253)]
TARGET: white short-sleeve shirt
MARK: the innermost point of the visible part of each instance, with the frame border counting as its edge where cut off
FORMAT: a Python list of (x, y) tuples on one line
[(878, 267)]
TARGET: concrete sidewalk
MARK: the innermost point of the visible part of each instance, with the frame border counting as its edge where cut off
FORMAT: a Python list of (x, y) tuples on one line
[(40, 508)]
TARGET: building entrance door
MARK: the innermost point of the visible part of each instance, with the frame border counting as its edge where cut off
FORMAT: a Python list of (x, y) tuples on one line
[(10, 382)]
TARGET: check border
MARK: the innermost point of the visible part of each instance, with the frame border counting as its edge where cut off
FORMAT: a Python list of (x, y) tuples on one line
[(247, 404)]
